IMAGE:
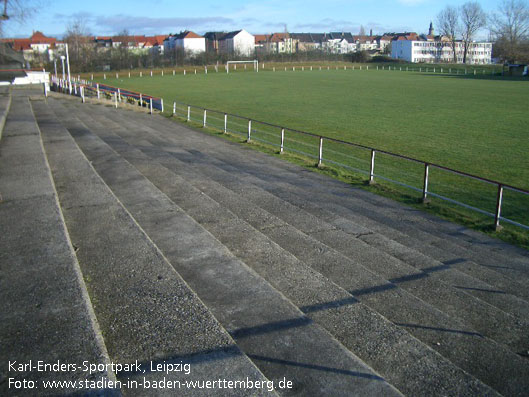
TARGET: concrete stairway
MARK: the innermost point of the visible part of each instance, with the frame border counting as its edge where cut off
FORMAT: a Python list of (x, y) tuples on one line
[(45, 313), (193, 249), (457, 314)]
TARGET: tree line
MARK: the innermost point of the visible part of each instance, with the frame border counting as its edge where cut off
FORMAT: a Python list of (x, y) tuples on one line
[(508, 27)]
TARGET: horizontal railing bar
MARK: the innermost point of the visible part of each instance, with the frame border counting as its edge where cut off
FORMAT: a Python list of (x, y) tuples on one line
[(265, 141), (398, 183), (514, 223), (346, 166), (470, 207), (372, 148), (299, 151), (515, 189), (133, 94)]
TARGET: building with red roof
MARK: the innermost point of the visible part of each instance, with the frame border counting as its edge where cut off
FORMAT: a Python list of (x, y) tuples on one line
[(189, 42)]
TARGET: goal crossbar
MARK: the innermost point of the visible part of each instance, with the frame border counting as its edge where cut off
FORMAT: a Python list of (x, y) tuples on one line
[(255, 64)]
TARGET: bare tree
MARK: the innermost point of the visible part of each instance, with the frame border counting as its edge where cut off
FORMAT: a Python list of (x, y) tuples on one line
[(510, 28), (80, 46), (16, 11), (449, 25), (473, 18), (121, 53)]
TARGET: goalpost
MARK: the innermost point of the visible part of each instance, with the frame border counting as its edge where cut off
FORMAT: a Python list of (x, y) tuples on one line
[(255, 64)]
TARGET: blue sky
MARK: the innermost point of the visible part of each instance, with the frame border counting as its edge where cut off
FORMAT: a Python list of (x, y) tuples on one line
[(165, 16)]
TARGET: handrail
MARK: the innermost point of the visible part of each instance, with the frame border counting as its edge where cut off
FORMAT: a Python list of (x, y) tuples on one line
[(462, 173), (250, 130)]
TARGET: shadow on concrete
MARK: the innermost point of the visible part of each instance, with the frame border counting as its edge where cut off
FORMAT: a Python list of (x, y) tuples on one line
[(317, 367), (452, 331)]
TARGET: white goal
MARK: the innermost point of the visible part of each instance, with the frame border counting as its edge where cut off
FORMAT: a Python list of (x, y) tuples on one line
[(234, 63)]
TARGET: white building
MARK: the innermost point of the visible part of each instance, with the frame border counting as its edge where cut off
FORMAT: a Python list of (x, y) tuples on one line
[(239, 42), (438, 49), (190, 42), (339, 43)]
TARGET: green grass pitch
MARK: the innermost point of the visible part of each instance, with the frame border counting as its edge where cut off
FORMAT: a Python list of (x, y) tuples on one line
[(476, 124)]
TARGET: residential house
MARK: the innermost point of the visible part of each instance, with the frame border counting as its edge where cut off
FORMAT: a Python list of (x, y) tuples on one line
[(281, 43), (261, 43), (306, 41), (212, 41), (37, 45), (154, 44), (239, 42), (190, 42)]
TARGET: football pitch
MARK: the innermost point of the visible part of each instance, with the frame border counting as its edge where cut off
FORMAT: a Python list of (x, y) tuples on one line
[(475, 124)]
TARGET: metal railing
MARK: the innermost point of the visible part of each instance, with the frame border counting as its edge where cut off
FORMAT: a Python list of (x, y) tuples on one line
[(83, 88), (498, 200), (466, 190), (455, 69)]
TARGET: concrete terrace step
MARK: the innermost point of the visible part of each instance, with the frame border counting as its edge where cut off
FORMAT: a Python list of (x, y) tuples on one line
[(271, 330), (430, 267), (480, 316), (45, 312), (424, 226), (366, 217), (356, 326), (518, 362), (147, 313)]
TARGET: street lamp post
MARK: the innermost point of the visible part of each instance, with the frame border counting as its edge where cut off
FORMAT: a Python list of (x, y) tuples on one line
[(68, 65), (62, 61)]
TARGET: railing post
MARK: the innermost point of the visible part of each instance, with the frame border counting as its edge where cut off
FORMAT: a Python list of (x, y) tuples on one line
[(249, 130), (98, 94), (282, 140), (119, 95), (372, 168), (161, 102), (150, 104), (425, 184), (320, 155), (497, 225), (82, 93), (116, 99), (174, 108), (225, 122), (141, 99), (46, 91), (205, 118), (188, 113)]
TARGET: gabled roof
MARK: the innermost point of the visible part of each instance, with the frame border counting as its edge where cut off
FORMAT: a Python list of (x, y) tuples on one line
[(186, 34), (403, 36), (39, 38), (155, 40), (18, 44), (303, 37), (231, 35), (215, 35), (261, 38), (342, 36), (279, 37)]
